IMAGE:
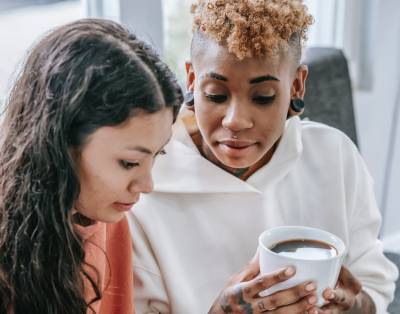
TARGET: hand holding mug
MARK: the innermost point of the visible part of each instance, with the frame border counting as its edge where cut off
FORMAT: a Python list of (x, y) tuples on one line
[(241, 295), (347, 296)]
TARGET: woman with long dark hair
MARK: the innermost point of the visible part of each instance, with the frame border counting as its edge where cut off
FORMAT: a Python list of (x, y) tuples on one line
[(91, 109)]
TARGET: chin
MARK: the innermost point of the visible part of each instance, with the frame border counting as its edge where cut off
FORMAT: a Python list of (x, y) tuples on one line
[(236, 163)]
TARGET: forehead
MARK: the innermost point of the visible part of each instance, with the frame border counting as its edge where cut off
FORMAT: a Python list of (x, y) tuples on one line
[(144, 129), (209, 56)]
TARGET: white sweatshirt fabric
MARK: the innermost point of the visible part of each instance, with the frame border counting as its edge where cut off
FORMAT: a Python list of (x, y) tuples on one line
[(201, 224)]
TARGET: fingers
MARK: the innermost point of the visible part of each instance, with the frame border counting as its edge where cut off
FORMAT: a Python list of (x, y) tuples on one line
[(255, 258), (331, 308), (253, 268), (341, 298), (249, 272), (262, 282), (289, 296), (348, 281), (300, 307)]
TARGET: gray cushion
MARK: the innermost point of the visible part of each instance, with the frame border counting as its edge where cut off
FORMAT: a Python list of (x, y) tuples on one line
[(328, 95)]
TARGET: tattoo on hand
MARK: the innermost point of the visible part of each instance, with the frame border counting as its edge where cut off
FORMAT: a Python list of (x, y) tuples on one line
[(236, 298), (261, 306)]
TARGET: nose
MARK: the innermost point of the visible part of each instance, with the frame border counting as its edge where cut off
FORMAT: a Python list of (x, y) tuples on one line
[(144, 184), (237, 118)]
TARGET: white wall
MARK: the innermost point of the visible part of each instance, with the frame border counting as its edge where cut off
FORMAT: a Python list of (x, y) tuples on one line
[(374, 111), (144, 18), (20, 28)]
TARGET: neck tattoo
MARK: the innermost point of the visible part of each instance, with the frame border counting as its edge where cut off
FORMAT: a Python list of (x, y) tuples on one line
[(239, 172)]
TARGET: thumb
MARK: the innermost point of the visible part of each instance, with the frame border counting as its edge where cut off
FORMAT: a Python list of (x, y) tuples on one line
[(255, 258), (253, 268)]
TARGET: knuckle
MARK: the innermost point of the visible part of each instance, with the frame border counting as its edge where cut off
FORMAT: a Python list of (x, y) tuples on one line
[(272, 302), (247, 290), (277, 277), (260, 280), (298, 293), (295, 294), (263, 282)]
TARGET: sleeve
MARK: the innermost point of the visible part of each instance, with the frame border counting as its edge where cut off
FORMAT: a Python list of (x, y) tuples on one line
[(365, 257), (149, 289)]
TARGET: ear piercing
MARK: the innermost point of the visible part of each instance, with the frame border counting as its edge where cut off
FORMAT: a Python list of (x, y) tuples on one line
[(297, 104)]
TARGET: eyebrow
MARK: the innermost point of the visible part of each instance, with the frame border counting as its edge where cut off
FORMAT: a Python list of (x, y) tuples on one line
[(145, 150), (140, 149), (217, 76), (255, 80), (263, 78)]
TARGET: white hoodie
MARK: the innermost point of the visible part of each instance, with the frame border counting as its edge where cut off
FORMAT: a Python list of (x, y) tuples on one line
[(201, 224)]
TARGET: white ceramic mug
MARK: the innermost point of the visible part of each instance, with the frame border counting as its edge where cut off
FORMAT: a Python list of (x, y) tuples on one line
[(324, 272)]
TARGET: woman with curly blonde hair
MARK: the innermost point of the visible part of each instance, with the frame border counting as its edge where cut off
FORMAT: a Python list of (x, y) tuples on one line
[(244, 162)]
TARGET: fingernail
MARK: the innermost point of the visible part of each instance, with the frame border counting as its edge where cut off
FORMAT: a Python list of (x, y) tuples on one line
[(311, 286), (289, 271), (312, 300), (330, 295)]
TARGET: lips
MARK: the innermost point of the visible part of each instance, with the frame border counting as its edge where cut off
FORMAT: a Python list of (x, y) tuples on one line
[(236, 144), (236, 149), (123, 206)]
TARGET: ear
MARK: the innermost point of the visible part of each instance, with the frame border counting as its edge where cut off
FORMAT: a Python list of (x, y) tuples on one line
[(299, 82), (190, 76), (298, 88)]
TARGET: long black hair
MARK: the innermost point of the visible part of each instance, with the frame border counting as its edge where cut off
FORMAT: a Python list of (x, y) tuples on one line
[(78, 78)]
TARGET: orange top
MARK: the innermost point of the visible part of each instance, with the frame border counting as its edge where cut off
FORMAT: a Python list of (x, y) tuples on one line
[(108, 248)]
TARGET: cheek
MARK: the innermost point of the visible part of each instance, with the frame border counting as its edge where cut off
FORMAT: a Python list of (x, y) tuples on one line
[(207, 118), (97, 184), (270, 126)]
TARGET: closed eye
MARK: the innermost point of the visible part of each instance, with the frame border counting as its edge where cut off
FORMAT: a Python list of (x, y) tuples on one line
[(127, 165), (264, 100), (216, 98)]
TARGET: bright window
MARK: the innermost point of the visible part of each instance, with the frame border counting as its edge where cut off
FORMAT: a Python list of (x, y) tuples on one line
[(21, 27), (177, 35)]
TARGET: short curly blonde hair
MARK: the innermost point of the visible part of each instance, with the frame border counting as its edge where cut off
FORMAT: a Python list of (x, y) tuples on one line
[(253, 28)]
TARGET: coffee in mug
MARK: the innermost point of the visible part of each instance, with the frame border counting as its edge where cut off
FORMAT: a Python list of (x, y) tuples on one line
[(305, 249)]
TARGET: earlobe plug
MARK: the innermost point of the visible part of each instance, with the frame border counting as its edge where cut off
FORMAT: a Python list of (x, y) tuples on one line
[(297, 105), (189, 99)]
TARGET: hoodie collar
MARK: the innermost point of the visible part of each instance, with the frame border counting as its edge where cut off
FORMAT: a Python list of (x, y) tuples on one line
[(184, 170)]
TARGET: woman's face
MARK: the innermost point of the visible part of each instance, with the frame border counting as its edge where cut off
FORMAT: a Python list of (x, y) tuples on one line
[(241, 106), (114, 164)]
